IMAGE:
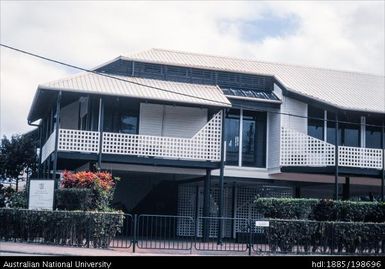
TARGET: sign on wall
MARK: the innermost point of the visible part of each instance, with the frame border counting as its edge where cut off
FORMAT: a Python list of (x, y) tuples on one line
[(41, 193)]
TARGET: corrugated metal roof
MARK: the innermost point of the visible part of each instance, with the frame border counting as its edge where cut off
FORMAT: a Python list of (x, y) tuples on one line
[(141, 88), (347, 90)]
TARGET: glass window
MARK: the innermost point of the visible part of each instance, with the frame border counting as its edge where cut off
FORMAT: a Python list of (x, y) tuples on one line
[(254, 139), (373, 134), (121, 116), (315, 122), (350, 129), (331, 129), (232, 136), (129, 124)]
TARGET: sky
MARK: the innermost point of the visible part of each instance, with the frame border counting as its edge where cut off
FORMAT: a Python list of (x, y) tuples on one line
[(339, 35)]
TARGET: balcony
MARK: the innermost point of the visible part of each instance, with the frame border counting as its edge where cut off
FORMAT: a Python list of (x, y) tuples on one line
[(205, 145), (298, 149)]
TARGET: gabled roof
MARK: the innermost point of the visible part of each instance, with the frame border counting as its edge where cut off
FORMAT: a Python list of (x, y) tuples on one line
[(141, 88), (346, 90)]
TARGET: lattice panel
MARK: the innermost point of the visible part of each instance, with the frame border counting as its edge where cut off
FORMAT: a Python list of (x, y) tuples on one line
[(214, 210), (244, 207), (48, 147), (186, 208), (77, 140), (298, 149), (360, 157), (245, 197), (205, 145)]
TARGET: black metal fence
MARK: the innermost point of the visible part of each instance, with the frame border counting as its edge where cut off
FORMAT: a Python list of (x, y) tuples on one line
[(240, 235), (201, 235)]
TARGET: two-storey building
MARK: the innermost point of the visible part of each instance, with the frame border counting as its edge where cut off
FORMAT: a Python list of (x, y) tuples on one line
[(194, 135)]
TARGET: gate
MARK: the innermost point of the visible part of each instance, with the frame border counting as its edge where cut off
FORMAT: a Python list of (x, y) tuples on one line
[(125, 237), (226, 237), (161, 232)]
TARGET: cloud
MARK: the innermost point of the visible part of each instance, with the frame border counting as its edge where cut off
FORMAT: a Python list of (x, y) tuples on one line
[(339, 35)]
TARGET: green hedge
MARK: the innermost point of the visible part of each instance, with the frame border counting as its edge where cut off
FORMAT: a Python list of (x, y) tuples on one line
[(325, 237), (74, 199), (321, 210), (74, 228)]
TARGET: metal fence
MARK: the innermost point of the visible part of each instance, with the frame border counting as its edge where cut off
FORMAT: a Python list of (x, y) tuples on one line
[(208, 235)]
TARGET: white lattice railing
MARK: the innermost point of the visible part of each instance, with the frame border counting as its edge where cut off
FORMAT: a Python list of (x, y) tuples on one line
[(79, 141), (298, 149), (360, 157), (204, 145), (48, 147)]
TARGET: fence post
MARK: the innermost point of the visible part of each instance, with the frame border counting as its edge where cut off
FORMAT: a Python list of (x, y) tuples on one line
[(249, 228), (331, 238), (134, 234), (89, 232)]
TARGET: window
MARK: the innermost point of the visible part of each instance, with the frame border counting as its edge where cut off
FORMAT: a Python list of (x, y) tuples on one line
[(121, 116), (83, 111), (350, 130), (232, 136), (128, 123), (373, 132), (331, 129), (315, 122), (254, 139), (254, 126)]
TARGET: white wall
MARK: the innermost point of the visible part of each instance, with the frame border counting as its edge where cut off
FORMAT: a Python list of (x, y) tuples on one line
[(151, 119), (173, 121), (273, 140), (69, 116), (295, 107)]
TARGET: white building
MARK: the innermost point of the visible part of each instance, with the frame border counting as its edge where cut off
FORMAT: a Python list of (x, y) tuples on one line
[(155, 119)]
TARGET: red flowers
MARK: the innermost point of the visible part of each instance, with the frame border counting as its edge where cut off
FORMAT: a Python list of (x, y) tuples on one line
[(86, 179)]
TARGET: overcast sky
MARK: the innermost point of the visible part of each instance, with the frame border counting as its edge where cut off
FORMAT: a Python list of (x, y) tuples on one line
[(338, 35)]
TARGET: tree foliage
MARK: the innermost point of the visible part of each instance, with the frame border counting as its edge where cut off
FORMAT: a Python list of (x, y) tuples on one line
[(18, 155)]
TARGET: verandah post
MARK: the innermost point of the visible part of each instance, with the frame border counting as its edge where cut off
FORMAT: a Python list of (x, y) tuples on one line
[(57, 121), (336, 159), (206, 206), (221, 183), (100, 127)]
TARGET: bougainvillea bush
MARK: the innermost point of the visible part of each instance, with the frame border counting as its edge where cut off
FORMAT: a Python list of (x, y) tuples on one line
[(100, 186)]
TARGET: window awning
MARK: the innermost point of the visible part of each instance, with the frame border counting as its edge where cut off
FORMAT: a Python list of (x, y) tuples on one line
[(251, 95)]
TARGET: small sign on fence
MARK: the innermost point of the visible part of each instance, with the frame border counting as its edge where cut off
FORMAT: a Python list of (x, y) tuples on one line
[(41, 194), (262, 223)]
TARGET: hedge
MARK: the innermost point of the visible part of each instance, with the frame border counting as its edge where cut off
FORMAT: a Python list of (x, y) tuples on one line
[(74, 199), (74, 228), (321, 210), (326, 237)]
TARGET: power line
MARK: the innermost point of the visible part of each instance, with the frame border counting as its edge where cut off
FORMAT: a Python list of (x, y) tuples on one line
[(178, 93), (109, 76)]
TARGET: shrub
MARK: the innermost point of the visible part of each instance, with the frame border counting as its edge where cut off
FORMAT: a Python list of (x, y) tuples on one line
[(326, 237), (74, 199), (321, 210), (5, 195), (86, 179), (324, 210), (19, 199), (102, 185), (285, 208), (74, 228)]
